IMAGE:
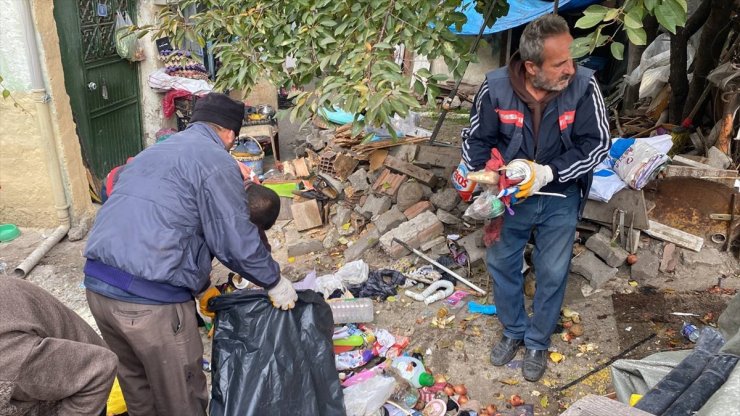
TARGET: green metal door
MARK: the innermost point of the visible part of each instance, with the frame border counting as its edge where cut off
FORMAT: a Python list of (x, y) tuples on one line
[(103, 88)]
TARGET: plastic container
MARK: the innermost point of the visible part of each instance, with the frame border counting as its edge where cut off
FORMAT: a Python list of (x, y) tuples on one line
[(413, 370), (9, 232), (691, 332), (404, 393), (347, 311)]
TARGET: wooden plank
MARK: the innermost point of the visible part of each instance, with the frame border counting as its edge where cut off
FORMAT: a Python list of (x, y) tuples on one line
[(675, 236), (285, 210), (306, 215), (685, 161), (440, 156), (628, 200), (725, 177), (422, 175), (592, 405)]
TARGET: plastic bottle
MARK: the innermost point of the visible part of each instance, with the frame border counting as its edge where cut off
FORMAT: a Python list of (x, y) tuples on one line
[(413, 370), (352, 310), (404, 394), (691, 332)]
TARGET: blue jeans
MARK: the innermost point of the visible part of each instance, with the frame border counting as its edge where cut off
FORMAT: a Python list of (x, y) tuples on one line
[(553, 222)]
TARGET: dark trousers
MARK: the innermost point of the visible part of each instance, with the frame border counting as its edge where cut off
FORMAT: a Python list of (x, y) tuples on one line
[(159, 351), (553, 222)]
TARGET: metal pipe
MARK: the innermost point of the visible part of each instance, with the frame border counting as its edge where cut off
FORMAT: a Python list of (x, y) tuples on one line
[(432, 261), (48, 146)]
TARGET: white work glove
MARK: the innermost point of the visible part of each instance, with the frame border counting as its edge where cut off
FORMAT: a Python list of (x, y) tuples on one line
[(283, 295), (541, 175)]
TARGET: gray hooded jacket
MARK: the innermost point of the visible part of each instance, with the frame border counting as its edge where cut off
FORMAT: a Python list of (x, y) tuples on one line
[(176, 206)]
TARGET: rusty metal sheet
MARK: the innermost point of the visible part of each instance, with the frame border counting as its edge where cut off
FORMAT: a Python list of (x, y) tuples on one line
[(686, 203)]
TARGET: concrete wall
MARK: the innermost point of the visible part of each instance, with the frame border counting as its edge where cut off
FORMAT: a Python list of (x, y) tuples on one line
[(488, 54), (25, 189), (488, 59)]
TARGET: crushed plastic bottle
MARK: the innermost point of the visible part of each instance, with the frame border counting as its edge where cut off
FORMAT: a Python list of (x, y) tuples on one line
[(690, 332)]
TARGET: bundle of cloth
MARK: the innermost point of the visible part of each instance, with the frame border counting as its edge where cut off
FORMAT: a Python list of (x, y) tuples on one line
[(631, 162)]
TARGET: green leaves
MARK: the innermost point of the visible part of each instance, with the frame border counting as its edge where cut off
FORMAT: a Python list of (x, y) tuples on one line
[(637, 36), (617, 49), (671, 13)]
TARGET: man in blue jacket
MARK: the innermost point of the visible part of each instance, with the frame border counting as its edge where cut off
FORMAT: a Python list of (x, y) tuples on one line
[(176, 206), (546, 111)]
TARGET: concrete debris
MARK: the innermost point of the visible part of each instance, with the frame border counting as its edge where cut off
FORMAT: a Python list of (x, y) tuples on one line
[(708, 257), (374, 206), (342, 216), (388, 220), (611, 253), (446, 199), (447, 218), (646, 268), (301, 246), (317, 142), (718, 159), (406, 152), (331, 239), (593, 269), (363, 244), (473, 244), (408, 194), (359, 180), (422, 228), (441, 240)]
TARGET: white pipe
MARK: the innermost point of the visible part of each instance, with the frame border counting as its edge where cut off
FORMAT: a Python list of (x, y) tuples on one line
[(432, 293), (48, 146)]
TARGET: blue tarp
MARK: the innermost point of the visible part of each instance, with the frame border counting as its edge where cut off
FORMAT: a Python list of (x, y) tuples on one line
[(520, 12)]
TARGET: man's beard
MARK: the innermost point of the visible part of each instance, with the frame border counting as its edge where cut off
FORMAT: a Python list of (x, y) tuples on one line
[(540, 82)]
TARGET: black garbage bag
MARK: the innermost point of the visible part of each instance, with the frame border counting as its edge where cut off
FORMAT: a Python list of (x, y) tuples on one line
[(660, 397), (267, 361)]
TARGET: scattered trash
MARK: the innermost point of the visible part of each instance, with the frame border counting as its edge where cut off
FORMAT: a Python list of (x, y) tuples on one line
[(475, 307), (690, 332), (436, 291), (556, 357)]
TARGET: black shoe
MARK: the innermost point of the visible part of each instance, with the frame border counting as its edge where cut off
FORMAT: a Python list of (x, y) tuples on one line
[(535, 364), (505, 350)]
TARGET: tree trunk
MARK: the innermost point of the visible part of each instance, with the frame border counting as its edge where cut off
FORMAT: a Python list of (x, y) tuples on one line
[(634, 53), (706, 58), (678, 79)]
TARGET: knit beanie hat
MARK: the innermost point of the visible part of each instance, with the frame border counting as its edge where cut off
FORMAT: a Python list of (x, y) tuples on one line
[(219, 109)]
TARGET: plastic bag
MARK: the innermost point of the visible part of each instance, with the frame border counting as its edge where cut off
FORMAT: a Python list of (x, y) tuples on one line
[(127, 43), (364, 399), (353, 273), (485, 207), (267, 361), (115, 405)]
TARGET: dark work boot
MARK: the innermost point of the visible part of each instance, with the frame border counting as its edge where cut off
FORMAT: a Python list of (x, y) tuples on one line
[(535, 364), (505, 350)]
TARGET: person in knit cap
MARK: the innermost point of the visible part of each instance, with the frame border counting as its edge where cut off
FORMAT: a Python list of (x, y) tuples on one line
[(176, 206)]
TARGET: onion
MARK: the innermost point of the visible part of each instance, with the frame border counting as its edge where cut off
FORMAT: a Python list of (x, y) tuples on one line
[(491, 409), (439, 378), (462, 399), (449, 390), (460, 389)]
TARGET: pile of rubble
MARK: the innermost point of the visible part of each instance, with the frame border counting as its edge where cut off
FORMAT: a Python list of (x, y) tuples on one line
[(368, 194)]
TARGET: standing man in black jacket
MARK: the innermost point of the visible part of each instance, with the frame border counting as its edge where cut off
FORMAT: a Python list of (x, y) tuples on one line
[(547, 112)]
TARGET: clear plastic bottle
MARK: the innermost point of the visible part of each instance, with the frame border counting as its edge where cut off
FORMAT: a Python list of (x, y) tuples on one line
[(691, 332), (352, 310)]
